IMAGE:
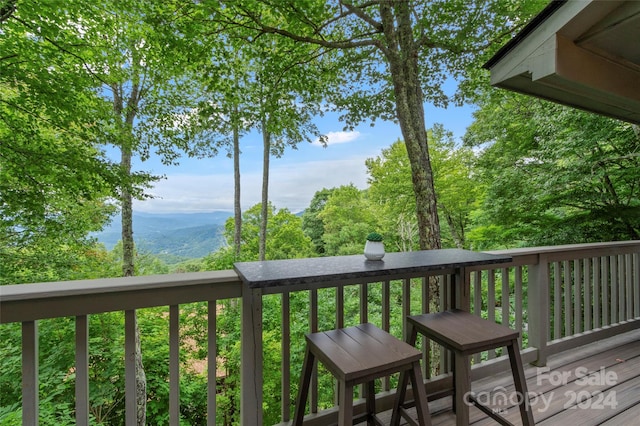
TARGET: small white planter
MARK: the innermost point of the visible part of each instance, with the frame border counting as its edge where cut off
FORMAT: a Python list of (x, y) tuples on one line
[(374, 250)]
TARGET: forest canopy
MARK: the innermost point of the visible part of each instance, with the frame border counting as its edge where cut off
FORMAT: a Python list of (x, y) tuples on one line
[(184, 78)]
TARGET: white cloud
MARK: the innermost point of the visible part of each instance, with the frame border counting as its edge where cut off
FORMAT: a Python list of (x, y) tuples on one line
[(291, 186), (334, 138)]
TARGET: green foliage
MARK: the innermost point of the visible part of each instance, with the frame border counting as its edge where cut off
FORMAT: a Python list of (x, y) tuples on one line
[(46, 140), (389, 57), (285, 239), (182, 244), (498, 289), (312, 224), (456, 187), (229, 354), (63, 85), (191, 265), (10, 336), (392, 193), (348, 217), (56, 365), (553, 175), (222, 259), (544, 175)]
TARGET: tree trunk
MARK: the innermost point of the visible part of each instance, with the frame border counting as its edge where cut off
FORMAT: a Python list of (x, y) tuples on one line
[(401, 52), (128, 247), (126, 200), (237, 211), (266, 140), (457, 230), (128, 270), (141, 381)]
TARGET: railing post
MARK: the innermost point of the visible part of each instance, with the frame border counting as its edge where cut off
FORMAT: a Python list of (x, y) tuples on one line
[(285, 364), (131, 406), (82, 370), (30, 383), (538, 308), (174, 365), (212, 364), (251, 369), (462, 286)]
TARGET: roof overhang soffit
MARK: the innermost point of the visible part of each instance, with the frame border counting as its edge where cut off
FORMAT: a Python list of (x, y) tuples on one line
[(585, 54)]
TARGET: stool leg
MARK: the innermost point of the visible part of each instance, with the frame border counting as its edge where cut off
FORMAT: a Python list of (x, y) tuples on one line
[(303, 390), (345, 415), (520, 382), (399, 400), (420, 395), (371, 402), (401, 392), (452, 362), (412, 334), (462, 385)]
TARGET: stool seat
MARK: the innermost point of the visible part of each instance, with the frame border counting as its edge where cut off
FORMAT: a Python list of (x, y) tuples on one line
[(360, 352), (463, 332), (466, 334), (357, 355)]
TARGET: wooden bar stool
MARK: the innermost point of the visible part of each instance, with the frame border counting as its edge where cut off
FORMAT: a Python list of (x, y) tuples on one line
[(466, 334), (356, 355)]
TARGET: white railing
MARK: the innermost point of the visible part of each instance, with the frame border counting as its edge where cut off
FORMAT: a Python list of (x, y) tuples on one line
[(559, 297)]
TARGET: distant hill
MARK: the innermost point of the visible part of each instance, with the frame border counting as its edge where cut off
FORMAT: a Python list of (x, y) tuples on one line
[(176, 236)]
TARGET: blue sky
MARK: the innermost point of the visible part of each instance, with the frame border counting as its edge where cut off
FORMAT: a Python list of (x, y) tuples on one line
[(204, 185)]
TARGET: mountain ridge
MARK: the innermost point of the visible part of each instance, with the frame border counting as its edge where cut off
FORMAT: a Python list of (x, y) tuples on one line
[(180, 235)]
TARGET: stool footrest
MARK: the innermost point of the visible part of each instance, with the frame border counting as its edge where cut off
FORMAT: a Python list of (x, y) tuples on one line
[(407, 417), (489, 412), (366, 416)]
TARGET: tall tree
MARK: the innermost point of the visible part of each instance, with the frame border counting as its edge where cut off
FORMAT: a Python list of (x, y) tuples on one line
[(273, 85), (138, 55), (223, 109), (290, 92), (398, 53), (149, 94)]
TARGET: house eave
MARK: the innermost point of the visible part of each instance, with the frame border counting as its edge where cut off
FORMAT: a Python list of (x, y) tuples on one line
[(564, 58)]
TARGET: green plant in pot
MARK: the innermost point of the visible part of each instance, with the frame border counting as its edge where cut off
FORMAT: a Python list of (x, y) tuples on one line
[(374, 247)]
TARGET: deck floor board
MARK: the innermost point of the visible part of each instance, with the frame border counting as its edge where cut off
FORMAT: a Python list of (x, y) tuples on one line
[(598, 384)]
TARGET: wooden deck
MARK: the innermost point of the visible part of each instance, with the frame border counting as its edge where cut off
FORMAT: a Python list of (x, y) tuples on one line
[(598, 384)]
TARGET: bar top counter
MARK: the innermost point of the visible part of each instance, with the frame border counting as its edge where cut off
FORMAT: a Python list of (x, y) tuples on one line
[(291, 272)]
